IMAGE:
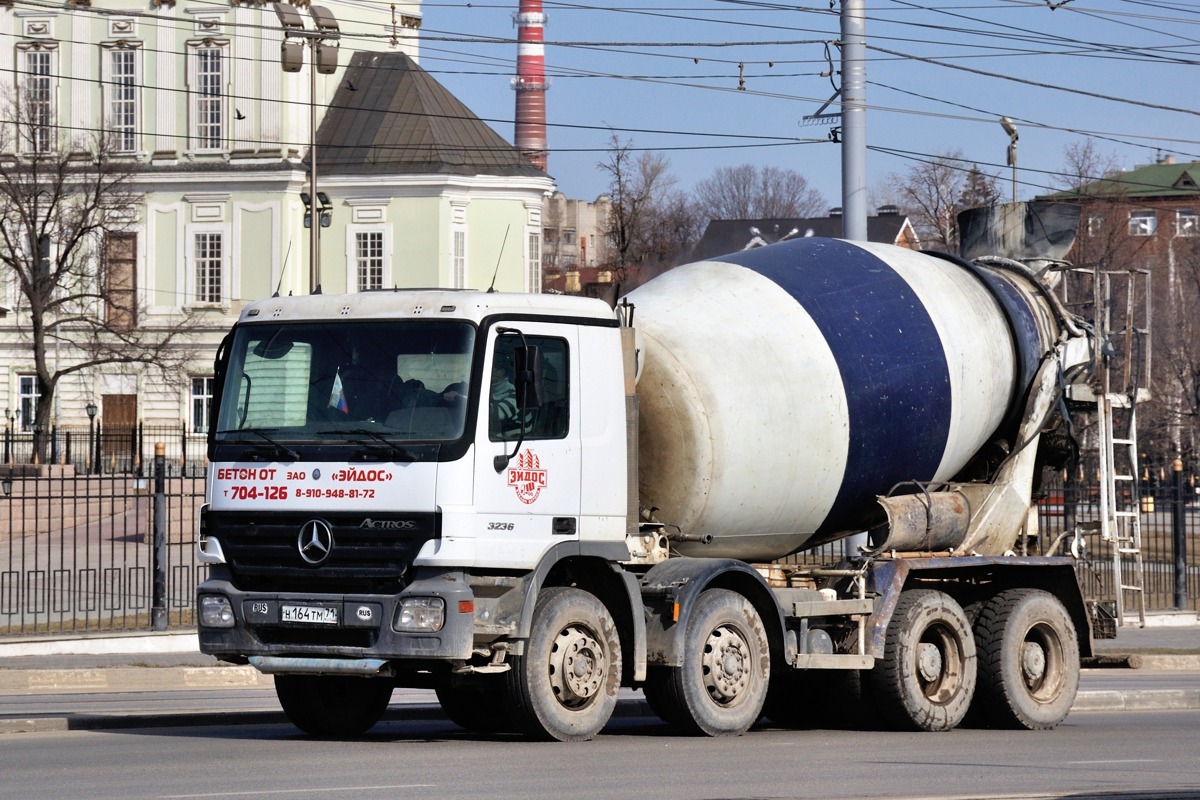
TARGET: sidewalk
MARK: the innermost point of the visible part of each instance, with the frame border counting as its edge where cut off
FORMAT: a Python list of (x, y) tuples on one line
[(1151, 668)]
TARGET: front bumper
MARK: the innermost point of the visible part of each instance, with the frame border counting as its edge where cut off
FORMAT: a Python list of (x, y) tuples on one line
[(363, 630)]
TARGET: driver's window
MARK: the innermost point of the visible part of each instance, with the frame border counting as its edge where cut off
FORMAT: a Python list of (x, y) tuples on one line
[(506, 420)]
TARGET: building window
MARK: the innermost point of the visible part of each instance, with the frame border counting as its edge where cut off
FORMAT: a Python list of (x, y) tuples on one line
[(209, 259), (123, 99), (1095, 224), (27, 401), (534, 278), (39, 99), (459, 259), (1187, 222), (1142, 223), (368, 256), (207, 98), (120, 280), (202, 390), (568, 236)]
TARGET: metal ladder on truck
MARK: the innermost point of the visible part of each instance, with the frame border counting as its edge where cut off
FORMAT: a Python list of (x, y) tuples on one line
[(1122, 364)]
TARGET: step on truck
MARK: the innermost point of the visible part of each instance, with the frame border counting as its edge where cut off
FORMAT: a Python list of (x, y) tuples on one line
[(526, 502)]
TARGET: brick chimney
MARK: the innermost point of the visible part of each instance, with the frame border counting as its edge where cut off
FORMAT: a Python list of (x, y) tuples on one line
[(530, 83)]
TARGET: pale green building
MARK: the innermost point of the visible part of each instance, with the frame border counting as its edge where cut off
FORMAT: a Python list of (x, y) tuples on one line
[(413, 189)]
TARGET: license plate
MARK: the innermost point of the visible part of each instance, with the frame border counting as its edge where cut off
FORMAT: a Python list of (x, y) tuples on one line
[(314, 615)]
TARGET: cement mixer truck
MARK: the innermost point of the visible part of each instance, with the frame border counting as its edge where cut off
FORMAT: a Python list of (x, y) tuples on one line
[(529, 502)]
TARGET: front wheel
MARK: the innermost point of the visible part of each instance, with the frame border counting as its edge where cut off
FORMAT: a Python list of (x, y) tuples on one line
[(720, 688), (333, 705), (926, 678), (1028, 660), (565, 685)]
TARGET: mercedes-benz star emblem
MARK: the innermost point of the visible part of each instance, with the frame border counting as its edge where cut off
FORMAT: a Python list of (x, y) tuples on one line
[(315, 541)]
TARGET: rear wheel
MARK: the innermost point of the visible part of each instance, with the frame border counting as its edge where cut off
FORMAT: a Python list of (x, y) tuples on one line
[(926, 678), (720, 688), (1028, 660), (333, 705), (565, 685)]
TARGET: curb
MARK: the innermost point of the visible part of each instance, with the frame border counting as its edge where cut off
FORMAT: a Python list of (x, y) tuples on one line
[(128, 679), (1085, 702)]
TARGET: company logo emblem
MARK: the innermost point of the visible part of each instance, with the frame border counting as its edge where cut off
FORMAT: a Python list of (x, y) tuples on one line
[(315, 541), (388, 524), (527, 477)]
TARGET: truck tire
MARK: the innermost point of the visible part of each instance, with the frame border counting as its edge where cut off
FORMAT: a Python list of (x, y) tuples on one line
[(478, 706), (720, 688), (1028, 660), (333, 705), (565, 685), (926, 678)]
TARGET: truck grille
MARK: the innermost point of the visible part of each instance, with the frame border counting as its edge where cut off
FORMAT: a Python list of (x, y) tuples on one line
[(368, 554)]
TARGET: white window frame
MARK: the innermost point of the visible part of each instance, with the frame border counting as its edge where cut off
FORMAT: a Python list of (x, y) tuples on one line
[(194, 238), (370, 260), (207, 90), (39, 92), (122, 94), (1187, 222), (200, 402), (27, 401), (458, 257), (1143, 222), (1095, 224), (352, 254), (533, 261)]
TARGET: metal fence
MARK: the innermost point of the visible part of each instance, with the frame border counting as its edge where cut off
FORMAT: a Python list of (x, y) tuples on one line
[(78, 551), (90, 552), (113, 450), (1169, 508)]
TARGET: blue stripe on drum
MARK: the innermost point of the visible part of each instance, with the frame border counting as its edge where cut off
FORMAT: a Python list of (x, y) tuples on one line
[(1026, 337), (891, 360)]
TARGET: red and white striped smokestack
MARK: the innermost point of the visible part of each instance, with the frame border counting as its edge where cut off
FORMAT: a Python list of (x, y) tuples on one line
[(530, 83)]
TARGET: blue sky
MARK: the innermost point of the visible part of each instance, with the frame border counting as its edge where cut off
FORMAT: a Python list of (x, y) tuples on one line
[(940, 75)]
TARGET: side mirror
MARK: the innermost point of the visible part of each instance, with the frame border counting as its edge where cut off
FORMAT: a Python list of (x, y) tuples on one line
[(528, 363)]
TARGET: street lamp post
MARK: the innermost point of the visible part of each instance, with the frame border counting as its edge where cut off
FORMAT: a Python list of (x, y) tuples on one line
[(1011, 130), (8, 436), (325, 62), (91, 412)]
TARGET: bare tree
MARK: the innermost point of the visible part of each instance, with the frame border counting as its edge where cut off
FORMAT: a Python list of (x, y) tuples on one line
[(1084, 166), (980, 190), (67, 214), (750, 192), (649, 223), (931, 193)]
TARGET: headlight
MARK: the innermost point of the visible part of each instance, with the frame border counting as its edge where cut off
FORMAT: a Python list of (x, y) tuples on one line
[(420, 614), (216, 611)]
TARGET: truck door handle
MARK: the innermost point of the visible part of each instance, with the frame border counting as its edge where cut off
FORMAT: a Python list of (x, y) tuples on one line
[(564, 526)]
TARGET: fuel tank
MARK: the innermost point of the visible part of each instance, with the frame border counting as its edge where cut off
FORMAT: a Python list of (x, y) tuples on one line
[(784, 388)]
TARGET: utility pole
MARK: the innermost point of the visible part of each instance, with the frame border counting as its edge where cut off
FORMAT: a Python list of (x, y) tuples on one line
[(854, 120)]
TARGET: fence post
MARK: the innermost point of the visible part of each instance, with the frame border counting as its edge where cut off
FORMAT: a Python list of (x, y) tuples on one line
[(158, 608), (1179, 537)]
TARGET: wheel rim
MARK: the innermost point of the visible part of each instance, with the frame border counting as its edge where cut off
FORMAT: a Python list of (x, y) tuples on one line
[(1042, 663), (939, 664), (727, 666), (578, 666)]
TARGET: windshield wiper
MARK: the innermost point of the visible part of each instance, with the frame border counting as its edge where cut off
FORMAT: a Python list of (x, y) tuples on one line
[(386, 448), (262, 452)]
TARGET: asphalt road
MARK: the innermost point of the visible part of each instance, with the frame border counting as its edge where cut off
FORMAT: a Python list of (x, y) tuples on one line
[(1119, 755)]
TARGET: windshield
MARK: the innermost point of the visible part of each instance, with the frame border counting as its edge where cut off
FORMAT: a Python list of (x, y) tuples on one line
[(381, 382)]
